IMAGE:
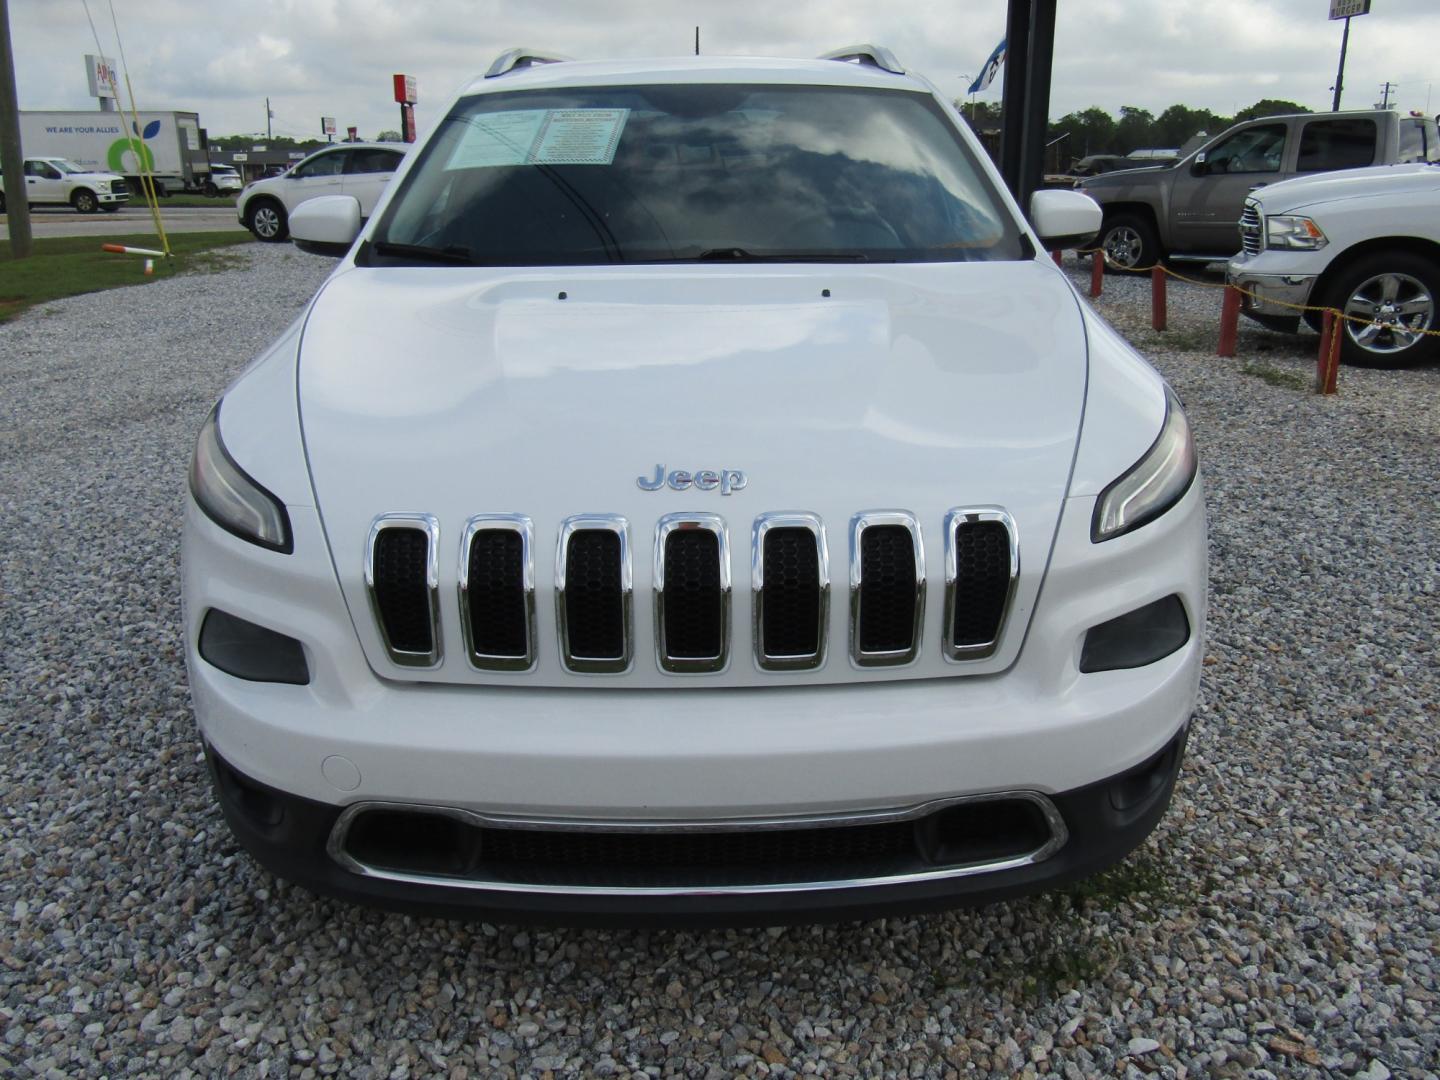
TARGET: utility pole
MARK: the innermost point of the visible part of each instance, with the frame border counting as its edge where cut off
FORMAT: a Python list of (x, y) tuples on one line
[(1386, 88), (269, 115), (697, 41), (12, 157), (1340, 74)]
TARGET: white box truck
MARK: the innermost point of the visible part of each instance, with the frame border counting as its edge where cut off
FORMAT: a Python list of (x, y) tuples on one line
[(172, 143)]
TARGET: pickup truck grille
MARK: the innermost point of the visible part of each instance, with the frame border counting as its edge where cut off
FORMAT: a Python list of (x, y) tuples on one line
[(790, 582), (118, 187), (1252, 229)]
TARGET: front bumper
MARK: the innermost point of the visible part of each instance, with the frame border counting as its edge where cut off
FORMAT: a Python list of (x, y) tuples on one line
[(1271, 299), (108, 198), (294, 838)]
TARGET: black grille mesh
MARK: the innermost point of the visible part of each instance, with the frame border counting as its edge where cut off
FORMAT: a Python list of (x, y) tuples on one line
[(887, 589), (401, 592), (692, 595), (790, 618), (498, 622), (982, 581), (594, 605)]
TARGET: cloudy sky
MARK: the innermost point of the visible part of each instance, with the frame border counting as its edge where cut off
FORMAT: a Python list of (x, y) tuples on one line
[(336, 57)]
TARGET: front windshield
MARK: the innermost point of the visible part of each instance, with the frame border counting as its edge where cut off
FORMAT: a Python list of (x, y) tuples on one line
[(66, 166), (685, 173)]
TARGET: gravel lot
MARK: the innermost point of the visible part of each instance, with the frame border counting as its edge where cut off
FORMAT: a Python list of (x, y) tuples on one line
[(1284, 920)]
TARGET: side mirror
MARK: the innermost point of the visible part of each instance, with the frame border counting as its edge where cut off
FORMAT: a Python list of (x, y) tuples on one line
[(1199, 166), (326, 225), (1065, 219)]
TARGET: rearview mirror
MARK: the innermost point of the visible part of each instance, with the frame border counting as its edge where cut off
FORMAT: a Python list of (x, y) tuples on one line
[(1065, 219), (326, 225)]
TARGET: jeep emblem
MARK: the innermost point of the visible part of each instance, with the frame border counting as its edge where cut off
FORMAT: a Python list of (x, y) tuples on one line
[(727, 480)]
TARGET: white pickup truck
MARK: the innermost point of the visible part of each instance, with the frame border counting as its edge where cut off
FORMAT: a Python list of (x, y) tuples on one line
[(1365, 241), (53, 180)]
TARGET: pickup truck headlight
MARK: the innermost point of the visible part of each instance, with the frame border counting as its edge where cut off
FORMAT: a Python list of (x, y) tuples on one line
[(102, 185), (1294, 232), (232, 499), (1154, 483)]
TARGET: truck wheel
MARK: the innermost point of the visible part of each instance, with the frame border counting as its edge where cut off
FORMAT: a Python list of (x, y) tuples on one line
[(1396, 295), (84, 201), (266, 219), (1130, 242)]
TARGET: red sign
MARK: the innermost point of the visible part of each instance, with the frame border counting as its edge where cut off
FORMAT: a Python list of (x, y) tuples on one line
[(405, 89), (353, 134), (407, 123)]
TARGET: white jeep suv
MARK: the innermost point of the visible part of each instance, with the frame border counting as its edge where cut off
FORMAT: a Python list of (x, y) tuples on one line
[(360, 170), (696, 496)]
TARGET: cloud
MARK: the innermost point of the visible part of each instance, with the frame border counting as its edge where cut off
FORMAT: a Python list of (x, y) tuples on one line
[(335, 57)]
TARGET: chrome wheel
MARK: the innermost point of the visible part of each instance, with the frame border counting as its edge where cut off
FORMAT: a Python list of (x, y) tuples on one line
[(265, 221), (1395, 308), (1124, 246)]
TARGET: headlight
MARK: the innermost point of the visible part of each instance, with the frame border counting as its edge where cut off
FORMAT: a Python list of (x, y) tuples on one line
[(1294, 232), (1154, 483), (102, 185), (233, 500)]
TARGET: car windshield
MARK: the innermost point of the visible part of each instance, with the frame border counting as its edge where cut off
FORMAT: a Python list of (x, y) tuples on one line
[(696, 172), (65, 166)]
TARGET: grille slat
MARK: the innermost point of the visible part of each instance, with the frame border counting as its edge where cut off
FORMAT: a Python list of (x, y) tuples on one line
[(792, 586), (593, 594), (400, 576), (1251, 229), (497, 594), (981, 564), (887, 574)]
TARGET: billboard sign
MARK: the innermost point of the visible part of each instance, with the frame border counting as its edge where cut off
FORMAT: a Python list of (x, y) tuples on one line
[(1345, 9), (405, 89), (327, 125), (102, 75)]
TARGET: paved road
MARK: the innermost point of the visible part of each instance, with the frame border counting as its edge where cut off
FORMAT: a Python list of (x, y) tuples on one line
[(131, 219)]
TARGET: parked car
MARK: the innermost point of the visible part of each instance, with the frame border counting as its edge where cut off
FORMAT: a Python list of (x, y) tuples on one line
[(358, 169), (694, 496), (1190, 210), (1366, 242), (222, 180), (1096, 164), (53, 181)]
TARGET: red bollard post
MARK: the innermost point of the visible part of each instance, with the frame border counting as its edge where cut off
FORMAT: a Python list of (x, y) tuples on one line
[(1158, 310), (1097, 272), (1229, 322), (1327, 361), (1058, 257)]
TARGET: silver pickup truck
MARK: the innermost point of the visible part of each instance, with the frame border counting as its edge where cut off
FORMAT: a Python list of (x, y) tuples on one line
[(1191, 210)]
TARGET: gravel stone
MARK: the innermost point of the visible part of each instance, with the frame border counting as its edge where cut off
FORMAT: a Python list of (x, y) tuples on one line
[(1283, 921)]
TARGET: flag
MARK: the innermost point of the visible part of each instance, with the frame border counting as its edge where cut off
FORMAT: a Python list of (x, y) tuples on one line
[(990, 70)]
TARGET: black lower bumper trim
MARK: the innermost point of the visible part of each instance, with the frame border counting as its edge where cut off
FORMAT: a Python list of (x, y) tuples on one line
[(1105, 820)]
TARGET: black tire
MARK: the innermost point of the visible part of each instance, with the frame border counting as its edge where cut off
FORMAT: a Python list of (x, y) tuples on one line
[(84, 201), (1401, 292), (1130, 242), (267, 220), (209, 189)]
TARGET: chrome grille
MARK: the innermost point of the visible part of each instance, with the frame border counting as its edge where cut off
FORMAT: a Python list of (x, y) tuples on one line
[(497, 592), (790, 585), (400, 578), (592, 594), (790, 576), (887, 588), (1252, 228), (982, 564), (692, 593)]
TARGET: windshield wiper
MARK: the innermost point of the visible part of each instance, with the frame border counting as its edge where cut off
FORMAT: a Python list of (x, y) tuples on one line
[(450, 253), (736, 254)]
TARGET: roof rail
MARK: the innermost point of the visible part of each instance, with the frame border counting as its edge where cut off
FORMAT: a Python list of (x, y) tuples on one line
[(873, 55), (511, 59)]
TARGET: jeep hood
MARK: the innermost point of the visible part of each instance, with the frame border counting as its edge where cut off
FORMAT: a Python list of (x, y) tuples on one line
[(1384, 180), (458, 391)]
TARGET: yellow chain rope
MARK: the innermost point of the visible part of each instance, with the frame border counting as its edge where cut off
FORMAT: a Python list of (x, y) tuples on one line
[(1356, 319)]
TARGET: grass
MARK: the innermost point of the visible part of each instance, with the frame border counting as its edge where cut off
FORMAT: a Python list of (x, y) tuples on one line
[(71, 265), (217, 203)]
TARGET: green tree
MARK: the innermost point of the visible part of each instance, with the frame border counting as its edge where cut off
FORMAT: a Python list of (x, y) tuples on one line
[(1268, 107), (389, 136), (1134, 129), (1177, 124), (1090, 131)]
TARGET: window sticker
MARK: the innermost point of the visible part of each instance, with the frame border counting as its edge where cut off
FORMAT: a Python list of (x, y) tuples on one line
[(540, 137)]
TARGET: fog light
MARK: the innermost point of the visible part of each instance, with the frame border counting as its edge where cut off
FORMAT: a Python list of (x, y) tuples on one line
[(247, 651), (1136, 638)]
